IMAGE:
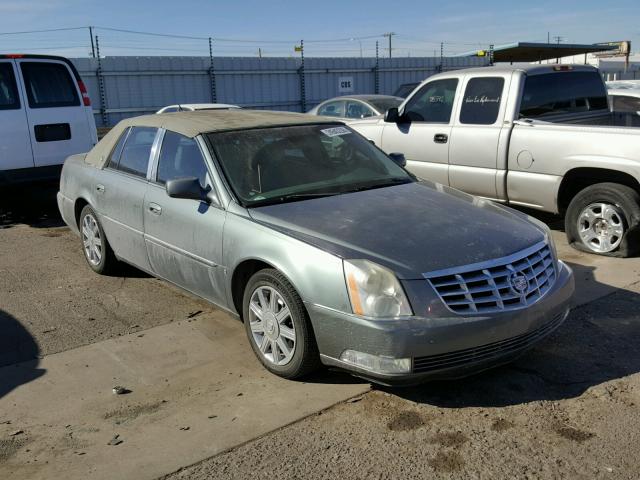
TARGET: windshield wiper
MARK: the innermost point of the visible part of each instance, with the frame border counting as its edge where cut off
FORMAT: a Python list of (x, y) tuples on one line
[(385, 183)]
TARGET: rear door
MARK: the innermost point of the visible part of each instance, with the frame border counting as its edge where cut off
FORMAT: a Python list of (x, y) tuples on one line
[(120, 189), (56, 114), (478, 137), (15, 142)]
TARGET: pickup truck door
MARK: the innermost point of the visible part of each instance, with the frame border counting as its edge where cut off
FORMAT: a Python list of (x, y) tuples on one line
[(15, 142), (479, 138), (183, 237), (423, 132)]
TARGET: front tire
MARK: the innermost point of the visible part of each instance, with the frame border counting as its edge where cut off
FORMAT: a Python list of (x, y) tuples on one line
[(96, 248), (605, 219), (278, 326)]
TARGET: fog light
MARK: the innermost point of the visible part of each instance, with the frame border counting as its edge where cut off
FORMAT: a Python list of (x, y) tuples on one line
[(375, 363)]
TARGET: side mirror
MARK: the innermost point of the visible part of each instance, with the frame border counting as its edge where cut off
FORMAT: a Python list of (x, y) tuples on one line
[(186, 188), (398, 159), (392, 115)]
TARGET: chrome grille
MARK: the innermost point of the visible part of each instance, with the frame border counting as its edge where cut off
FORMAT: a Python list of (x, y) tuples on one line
[(507, 283)]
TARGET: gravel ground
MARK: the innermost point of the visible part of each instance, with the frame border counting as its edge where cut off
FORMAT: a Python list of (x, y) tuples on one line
[(567, 409), (50, 300)]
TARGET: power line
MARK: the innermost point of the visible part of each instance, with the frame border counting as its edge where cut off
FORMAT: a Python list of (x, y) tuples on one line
[(43, 31)]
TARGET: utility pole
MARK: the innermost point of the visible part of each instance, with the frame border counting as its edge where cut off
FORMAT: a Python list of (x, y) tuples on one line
[(93, 48), (558, 39), (389, 35), (259, 52)]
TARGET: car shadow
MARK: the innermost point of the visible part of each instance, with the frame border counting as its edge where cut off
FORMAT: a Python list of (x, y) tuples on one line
[(31, 204), (18, 354), (597, 343)]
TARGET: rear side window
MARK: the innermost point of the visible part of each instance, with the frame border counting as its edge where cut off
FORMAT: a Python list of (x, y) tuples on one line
[(8, 88), (481, 101), (134, 158), (49, 85), (114, 156), (433, 103), (562, 92), (180, 157)]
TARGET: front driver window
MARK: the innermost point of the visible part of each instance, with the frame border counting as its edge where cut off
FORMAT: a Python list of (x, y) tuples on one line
[(180, 157), (433, 103)]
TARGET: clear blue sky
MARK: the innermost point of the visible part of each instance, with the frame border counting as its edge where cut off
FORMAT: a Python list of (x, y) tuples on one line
[(276, 25)]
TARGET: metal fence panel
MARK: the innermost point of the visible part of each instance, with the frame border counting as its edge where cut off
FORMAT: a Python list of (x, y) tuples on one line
[(139, 85)]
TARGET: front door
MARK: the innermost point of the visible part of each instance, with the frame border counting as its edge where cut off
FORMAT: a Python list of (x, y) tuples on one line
[(423, 134), (15, 142), (184, 237), (479, 137)]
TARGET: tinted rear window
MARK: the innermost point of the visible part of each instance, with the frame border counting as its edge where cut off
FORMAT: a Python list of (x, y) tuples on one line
[(563, 92), (49, 85)]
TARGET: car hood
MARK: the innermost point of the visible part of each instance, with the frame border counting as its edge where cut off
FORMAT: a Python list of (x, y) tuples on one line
[(412, 228)]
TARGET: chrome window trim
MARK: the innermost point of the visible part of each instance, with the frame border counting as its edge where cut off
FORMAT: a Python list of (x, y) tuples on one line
[(152, 168)]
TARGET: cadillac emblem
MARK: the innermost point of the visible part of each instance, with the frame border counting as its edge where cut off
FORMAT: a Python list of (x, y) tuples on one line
[(519, 283)]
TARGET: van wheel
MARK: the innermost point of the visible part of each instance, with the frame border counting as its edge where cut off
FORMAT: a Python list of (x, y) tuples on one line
[(95, 246), (278, 325), (605, 219)]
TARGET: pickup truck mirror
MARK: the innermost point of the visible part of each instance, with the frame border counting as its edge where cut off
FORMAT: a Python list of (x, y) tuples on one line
[(187, 188), (399, 159), (392, 115)]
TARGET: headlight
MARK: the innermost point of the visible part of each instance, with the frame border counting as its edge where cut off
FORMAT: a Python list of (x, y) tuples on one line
[(374, 291)]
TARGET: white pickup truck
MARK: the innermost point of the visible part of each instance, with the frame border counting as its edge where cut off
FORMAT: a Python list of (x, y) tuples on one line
[(537, 136)]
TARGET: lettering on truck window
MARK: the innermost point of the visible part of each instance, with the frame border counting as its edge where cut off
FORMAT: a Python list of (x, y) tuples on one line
[(481, 101)]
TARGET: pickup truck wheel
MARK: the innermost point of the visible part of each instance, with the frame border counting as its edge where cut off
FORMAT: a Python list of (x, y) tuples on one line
[(278, 325), (605, 219), (95, 246)]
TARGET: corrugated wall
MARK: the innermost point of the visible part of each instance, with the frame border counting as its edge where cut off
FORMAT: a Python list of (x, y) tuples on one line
[(137, 85)]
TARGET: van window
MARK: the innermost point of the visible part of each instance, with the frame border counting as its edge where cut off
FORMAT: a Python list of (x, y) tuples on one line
[(481, 101), (8, 88), (134, 158), (49, 85), (181, 157), (433, 103), (562, 92)]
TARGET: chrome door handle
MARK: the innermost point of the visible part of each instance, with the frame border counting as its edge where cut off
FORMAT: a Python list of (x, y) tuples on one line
[(440, 138), (100, 188), (155, 208)]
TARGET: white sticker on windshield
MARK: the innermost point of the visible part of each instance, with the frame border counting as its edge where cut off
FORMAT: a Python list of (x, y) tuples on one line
[(336, 131)]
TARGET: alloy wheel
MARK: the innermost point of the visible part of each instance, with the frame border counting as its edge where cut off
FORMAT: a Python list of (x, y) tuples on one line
[(601, 227)]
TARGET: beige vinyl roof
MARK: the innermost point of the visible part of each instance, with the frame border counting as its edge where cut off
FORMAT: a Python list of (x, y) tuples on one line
[(192, 124)]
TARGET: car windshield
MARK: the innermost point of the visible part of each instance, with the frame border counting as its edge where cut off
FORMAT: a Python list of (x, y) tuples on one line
[(283, 164), (384, 104)]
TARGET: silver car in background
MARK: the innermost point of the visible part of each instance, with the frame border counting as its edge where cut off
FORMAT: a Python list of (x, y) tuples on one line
[(356, 106), (327, 249)]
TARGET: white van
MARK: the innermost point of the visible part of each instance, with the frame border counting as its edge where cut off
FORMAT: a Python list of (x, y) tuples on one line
[(45, 116)]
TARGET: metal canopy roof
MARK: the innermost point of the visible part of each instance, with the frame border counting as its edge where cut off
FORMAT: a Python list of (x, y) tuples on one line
[(533, 52)]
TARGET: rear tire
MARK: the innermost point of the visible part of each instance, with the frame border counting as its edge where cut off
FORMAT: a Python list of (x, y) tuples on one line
[(96, 248), (605, 219), (278, 326)]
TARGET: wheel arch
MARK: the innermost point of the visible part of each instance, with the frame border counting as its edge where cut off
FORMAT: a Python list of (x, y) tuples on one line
[(240, 277), (79, 204), (580, 178)]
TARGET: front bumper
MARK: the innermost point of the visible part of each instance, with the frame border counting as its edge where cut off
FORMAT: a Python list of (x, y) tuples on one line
[(443, 345)]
